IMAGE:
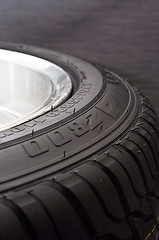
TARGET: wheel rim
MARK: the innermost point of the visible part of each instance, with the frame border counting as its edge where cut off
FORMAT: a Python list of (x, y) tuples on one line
[(29, 87)]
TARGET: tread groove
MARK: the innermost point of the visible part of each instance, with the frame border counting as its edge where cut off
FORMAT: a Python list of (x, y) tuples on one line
[(143, 152), (148, 114), (116, 146), (149, 107), (155, 160), (152, 138), (78, 207), (116, 184), (48, 214), (138, 163), (27, 226), (154, 128), (99, 198)]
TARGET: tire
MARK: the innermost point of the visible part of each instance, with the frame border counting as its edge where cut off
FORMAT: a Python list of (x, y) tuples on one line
[(86, 170)]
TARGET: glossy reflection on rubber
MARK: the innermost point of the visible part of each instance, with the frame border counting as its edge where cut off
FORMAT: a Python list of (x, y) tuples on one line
[(29, 87)]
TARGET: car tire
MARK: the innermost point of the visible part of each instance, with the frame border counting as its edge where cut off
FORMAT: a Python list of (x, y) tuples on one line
[(87, 169)]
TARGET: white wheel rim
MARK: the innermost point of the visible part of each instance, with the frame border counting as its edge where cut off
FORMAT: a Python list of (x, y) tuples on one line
[(29, 87)]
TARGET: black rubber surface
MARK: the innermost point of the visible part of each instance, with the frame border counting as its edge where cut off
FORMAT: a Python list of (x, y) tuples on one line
[(86, 170), (101, 109)]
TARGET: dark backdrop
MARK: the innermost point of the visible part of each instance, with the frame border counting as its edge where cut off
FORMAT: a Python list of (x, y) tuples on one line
[(123, 34)]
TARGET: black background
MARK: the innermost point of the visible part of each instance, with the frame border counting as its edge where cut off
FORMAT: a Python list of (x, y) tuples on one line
[(122, 34)]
